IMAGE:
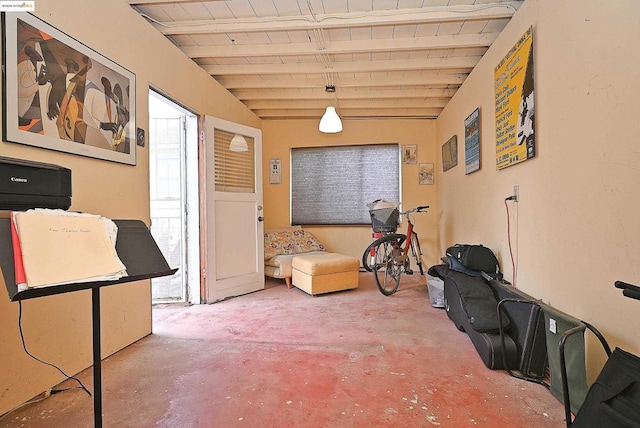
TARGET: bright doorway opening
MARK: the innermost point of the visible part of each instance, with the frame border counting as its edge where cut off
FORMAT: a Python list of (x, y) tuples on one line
[(173, 188)]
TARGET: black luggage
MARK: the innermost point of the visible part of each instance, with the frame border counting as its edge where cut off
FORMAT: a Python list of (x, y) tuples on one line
[(471, 302), (613, 401), (527, 328), (472, 306), (474, 257)]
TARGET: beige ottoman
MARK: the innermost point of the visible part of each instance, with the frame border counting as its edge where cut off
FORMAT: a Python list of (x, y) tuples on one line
[(324, 272)]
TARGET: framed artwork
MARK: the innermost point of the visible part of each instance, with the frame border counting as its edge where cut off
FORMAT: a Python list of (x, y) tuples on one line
[(410, 154), (450, 153), (426, 173), (275, 171), (472, 142), (61, 95)]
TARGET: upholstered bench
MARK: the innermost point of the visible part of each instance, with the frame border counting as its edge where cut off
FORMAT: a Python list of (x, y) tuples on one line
[(324, 272)]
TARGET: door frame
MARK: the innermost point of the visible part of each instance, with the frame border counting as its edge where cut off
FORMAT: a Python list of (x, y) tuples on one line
[(190, 194)]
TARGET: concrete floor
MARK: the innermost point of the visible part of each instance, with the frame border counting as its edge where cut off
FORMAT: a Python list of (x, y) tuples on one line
[(281, 358)]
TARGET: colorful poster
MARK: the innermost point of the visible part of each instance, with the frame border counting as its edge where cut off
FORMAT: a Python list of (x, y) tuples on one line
[(514, 101), (472, 142)]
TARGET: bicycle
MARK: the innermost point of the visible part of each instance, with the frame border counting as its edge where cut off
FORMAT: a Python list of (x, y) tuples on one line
[(386, 257)]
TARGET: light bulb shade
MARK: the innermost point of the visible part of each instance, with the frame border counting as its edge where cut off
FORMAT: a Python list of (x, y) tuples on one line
[(330, 122), (238, 144)]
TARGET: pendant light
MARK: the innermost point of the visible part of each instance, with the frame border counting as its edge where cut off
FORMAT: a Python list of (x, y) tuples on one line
[(238, 144), (330, 122)]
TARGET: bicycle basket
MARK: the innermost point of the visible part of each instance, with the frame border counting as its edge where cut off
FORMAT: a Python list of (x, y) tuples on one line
[(384, 216)]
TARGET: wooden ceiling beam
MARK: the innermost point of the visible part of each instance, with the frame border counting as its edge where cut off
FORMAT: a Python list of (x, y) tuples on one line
[(453, 41), (153, 2), (353, 114), (347, 104), (467, 62), (442, 79), (343, 93), (425, 15)]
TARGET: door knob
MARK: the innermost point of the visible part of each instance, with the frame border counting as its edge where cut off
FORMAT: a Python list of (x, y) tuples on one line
[(260, 218)]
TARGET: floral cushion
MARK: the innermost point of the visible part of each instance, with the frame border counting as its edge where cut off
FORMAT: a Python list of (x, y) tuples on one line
[(290, 242)]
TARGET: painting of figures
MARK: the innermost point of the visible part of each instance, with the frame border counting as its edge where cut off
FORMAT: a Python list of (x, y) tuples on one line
[(61, 95)]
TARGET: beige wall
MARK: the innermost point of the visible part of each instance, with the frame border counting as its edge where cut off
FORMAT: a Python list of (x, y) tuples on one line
[(576, 228), (58, 328), (280, 135)]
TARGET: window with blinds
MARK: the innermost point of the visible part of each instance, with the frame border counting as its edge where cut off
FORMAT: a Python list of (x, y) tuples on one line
[(333, 185), (234, 171)]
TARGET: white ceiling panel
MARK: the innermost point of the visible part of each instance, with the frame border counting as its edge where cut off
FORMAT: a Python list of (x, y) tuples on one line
[(241, 8), (196, 11), (425, 30), (449, 28), (218, 9)]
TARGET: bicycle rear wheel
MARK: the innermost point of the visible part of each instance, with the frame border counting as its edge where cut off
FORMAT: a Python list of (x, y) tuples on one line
[(388, 270)]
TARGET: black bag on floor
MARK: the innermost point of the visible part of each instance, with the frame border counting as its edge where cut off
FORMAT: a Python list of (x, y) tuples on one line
[(475, 257), (614, 399)]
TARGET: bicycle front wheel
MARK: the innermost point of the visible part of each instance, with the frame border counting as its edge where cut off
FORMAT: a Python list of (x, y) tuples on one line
[(389, 263), (368, 257), (417, 252)]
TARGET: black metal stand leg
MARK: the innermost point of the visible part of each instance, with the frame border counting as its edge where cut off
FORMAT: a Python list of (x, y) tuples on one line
[(97, 360)]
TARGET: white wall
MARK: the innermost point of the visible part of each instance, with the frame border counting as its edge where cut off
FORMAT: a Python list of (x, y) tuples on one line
[(576, 227)]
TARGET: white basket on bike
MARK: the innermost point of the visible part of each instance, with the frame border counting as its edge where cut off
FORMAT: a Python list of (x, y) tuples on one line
[(384, 216)]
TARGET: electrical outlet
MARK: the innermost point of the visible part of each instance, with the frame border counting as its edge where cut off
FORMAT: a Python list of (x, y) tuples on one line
[(516, 193)]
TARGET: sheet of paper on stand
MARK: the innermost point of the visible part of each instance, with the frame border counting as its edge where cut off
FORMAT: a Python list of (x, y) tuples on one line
[(61, 247)]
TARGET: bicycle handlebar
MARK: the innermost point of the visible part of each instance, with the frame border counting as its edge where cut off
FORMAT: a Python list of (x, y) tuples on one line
[(628, 290), (625, 285), (419, 209)]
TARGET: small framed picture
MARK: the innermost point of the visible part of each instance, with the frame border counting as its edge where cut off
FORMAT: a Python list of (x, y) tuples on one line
[(275, 170), (450, 153), (410, 154), (426, 173), (472, 142)]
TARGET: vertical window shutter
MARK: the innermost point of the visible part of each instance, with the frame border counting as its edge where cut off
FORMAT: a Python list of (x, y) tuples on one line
[(333, 185), (164, 158), (234, 171)]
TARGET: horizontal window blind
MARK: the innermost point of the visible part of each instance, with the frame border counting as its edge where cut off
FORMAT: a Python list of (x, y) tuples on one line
[(234, 171), (333, 185)]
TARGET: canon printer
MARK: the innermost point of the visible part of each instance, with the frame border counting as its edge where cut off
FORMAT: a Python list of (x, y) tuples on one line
[(27, 184)]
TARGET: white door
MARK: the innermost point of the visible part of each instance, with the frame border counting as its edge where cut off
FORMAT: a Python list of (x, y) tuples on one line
[(234, 251)]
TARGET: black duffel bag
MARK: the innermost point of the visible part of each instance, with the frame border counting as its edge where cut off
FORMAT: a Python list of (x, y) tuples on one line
[(475, 257), (613, 401)]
